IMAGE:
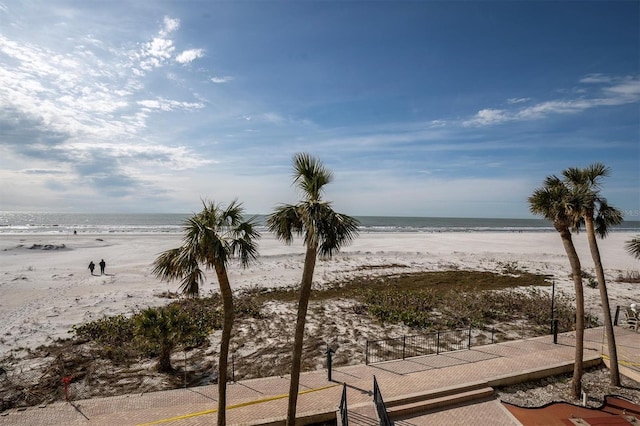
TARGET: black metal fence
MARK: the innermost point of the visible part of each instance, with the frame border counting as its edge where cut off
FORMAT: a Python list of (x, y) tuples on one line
[(418, 345), (381, 408)]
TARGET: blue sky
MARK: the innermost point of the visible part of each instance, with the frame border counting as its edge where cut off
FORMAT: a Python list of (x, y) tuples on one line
[(420, 108)]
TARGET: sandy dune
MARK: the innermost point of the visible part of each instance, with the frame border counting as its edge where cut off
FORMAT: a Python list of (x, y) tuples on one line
[(45, 286)]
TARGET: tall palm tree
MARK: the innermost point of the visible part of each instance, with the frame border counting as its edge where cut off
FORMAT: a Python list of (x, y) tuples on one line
[(598, 217), (556, 203), (211, 238), (324, 232), (633, 247)]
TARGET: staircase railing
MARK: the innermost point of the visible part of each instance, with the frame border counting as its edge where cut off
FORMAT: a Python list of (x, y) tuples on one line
[(381, 408)]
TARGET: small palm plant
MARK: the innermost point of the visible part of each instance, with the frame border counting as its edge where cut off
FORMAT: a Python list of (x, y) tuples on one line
[(165, 328)]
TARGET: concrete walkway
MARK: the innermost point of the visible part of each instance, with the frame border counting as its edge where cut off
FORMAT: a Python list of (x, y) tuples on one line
[(264, 401)]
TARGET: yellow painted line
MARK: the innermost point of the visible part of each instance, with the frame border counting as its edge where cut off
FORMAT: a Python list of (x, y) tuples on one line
[(623, 362), (229, 407)]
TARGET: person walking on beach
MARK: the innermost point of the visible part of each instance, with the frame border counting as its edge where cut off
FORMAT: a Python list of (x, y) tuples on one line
[(102, 265), (92, 266)]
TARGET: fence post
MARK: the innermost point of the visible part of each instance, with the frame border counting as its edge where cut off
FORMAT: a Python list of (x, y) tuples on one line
[(329, 361), (493, 331), (65, 381), (555, 331), (366, 354), (404, 344), (553, 294), (615, 321), (233, 368), (469, 345), (437, 342)]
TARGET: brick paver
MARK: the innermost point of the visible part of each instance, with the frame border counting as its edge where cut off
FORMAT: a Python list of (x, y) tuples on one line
[(260, 400)]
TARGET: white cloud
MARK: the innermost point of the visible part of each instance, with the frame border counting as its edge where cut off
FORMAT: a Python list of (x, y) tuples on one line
[(437, 123), (189, 56), (220, 80), (84, 106), (155, 53), (169, 105), (486, 117), (170, 25), (518, 100), (620, 91), (595, 78), (628, 88)]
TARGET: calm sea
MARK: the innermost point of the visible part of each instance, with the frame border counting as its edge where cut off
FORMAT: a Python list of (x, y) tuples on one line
[(58, 223)]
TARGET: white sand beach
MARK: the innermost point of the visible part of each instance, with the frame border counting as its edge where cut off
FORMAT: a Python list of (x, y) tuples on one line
[(46, 288)]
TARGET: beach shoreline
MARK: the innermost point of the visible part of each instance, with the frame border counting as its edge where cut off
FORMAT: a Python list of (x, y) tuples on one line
[(46, 288)]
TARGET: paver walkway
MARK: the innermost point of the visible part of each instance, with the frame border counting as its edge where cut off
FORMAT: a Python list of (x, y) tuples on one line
[(259, 401)]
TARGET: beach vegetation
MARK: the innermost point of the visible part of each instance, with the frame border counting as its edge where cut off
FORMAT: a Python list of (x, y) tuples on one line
[(509, 267), (324, 231), (598, 217), (557, 203), (164, 329), (110, 356), (629, 277), (211, 238), (124, 339)]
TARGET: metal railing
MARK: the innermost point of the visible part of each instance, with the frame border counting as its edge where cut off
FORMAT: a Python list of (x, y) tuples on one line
[(381, 408), (417, 345), (344, 411)]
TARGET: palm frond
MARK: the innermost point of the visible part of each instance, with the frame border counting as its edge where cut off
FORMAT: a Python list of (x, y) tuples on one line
[(595, 172), (231, 217), (284, 222), (310, 175), (606, 217), (190, 283), (166, 267), (633, 247), (208, 241), (245, 242), (552, 201), (335, 230)]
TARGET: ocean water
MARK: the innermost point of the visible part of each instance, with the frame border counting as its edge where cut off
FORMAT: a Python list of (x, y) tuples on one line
[(66, 223)]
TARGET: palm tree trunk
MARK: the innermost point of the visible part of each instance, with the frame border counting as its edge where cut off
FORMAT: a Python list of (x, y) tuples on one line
[(576, 272), (296, 361), (164, 362), (604, 298), (227, 325)]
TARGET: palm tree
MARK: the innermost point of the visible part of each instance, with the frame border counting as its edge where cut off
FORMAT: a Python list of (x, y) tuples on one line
[(324, 232), (598, 217), (165, 327), (211, 238), (633, 247), (556, 203)]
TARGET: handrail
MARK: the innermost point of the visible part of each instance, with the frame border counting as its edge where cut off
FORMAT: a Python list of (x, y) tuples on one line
[(381, 408), (344, 417)]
